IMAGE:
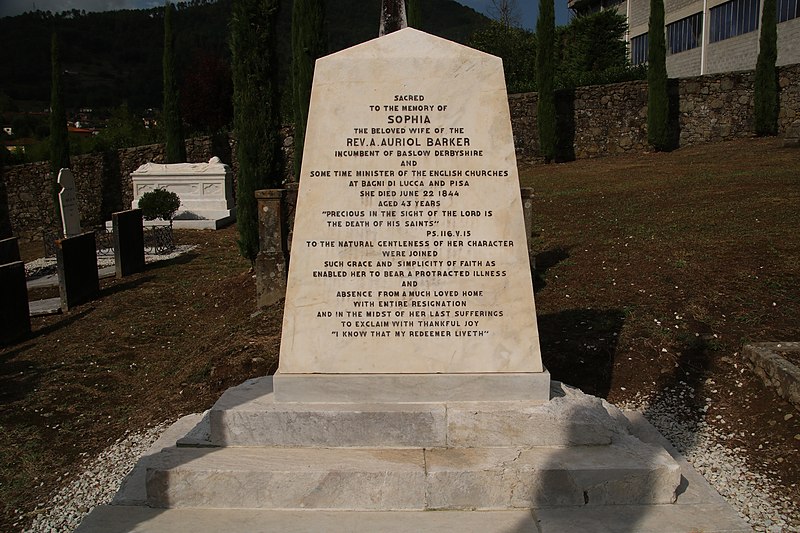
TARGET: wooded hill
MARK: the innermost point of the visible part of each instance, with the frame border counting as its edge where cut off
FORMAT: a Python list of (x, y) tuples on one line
[(115, 56)]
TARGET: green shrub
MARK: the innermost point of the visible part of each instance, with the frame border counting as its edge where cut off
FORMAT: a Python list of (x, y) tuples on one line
[(159, 203)]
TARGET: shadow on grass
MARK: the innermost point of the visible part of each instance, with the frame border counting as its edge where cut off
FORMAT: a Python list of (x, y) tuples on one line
[(17, 378), (579, 345), (546, 260), (68, 319), (180, 260), (124, 286)]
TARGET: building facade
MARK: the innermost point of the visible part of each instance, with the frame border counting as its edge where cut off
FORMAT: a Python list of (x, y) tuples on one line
[(705, 36)]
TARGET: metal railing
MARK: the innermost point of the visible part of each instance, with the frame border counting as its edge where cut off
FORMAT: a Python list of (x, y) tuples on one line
[(158, 240)]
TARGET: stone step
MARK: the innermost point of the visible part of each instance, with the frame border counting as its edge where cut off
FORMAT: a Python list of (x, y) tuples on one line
[(250, 415), (119, 519), (626, 472), (708, 518)]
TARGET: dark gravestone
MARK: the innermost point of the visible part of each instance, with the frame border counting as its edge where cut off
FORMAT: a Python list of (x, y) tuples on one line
[(9, 250), (15, 320), (78, 281), (128, 242)]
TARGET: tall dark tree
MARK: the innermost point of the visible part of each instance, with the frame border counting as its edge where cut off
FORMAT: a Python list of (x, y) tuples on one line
[(308, 44), (5, 217), (546, 105), (255, 111), (414, 14), (59, 135), (657, 95), (393, 17), (766, 82), (173, 128)]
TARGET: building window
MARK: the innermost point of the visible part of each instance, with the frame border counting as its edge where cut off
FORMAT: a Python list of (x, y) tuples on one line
[(733, 18), (685, 34), (639, 49), (787, 10)]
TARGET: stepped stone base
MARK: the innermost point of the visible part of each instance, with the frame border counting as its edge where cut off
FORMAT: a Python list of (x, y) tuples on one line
[(411, 479), (254, 463), (251, 415)]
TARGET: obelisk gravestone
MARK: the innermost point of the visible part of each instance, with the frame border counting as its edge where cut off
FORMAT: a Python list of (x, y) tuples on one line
[(409, 251)]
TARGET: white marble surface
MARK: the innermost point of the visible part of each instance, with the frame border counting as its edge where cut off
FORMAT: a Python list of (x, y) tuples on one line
[(205, 189), (68, 201), (421, 266)]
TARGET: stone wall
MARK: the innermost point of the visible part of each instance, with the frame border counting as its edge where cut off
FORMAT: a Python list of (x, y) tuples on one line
[(104, 181), (603, 120), (592, 122)]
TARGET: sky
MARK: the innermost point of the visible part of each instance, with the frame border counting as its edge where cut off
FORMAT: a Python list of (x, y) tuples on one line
[(528, 8)]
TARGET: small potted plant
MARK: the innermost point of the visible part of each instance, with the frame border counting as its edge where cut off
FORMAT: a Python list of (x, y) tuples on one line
[(159, 203), (163, 204)]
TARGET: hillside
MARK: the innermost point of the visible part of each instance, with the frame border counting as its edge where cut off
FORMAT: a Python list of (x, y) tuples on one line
[(115, 56)]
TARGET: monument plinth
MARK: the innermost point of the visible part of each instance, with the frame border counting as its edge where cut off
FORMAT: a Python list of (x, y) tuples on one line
[(410, 257)]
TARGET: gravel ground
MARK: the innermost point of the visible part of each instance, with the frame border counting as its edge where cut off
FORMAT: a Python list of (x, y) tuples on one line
[(45, 266), (754, 496), (96, 484)]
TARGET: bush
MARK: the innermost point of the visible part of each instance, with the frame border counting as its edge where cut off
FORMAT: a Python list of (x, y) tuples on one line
[(517, 48), (159, 203)]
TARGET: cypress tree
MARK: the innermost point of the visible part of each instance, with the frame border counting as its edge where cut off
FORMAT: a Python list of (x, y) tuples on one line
[(546, 105), (308, 44), (173, 129), (657, 96), (255, 111), (414, 14), (5, 217), (766, 82), (59, 136)]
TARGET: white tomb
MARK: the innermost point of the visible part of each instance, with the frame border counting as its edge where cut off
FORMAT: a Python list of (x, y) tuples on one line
[(205, 190)]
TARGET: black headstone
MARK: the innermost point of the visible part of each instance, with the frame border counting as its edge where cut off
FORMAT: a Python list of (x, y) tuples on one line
[(78, 280), (15, 320), (128, 242), (9, 250)]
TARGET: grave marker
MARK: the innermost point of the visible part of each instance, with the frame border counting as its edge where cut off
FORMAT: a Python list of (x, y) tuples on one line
[(15, 319), (78, 280), (68, 202), (9, 250), (128, 242), (410, 253)]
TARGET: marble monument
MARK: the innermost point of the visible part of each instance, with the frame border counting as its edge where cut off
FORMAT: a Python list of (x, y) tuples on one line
[(205, 190), (409, 249)]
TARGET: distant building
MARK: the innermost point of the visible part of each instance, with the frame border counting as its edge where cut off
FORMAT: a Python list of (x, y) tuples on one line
[(704, 36), (19, 146), (82, 132)]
